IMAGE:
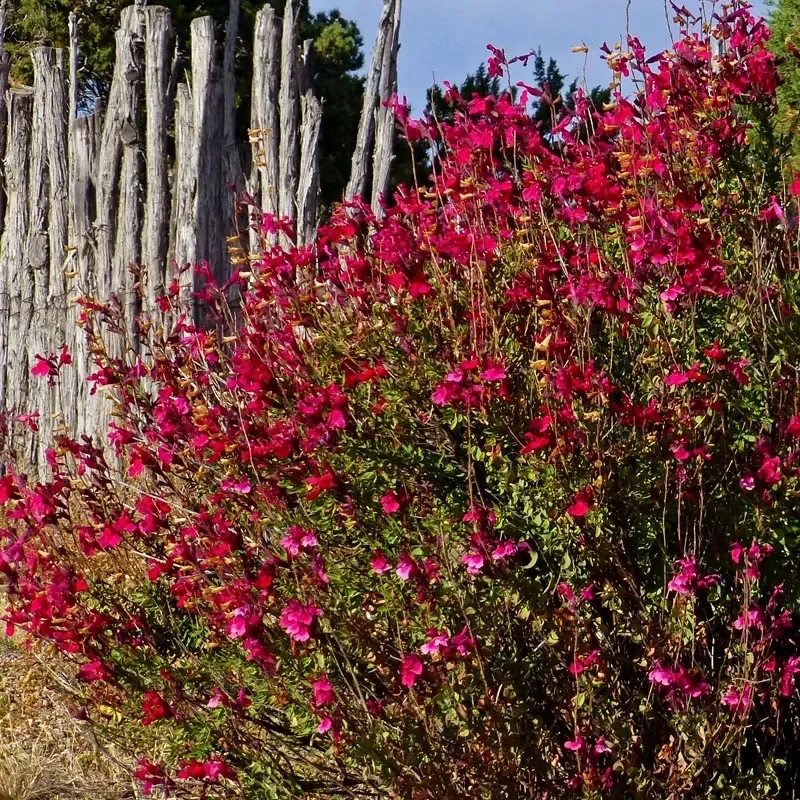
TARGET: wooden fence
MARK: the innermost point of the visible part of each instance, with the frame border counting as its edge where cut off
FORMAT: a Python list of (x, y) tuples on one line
[(145, 181)]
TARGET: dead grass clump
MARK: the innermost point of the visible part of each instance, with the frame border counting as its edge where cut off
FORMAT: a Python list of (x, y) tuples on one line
[(45, 754)]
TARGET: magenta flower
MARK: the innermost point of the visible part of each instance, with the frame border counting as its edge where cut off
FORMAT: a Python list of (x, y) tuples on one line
[(463, 643), (154, 708), (687, 581), (323, 691), (739, 701), (298, 540), (473, 561), (791, 668), (600, 746), (582, 663), (94, 671), (380, 563), (151, 776), (576, 744), (582, 503), (212, 770), (437, 641), (505, 549), (493, 372), (661, 675), (390, 502), (298, 618), (406, 567), (218, 698), (411, 670), (237, 624)]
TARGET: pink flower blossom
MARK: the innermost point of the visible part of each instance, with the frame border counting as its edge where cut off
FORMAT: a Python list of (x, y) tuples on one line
[(473, 561), (94, 671), (600, 746), (493, 372), (463, 643), (739, 701), (504, 550), (154, 708), (391, 502), (298, 540), (297, 619), (411, 670), (237, 624), (687, 581), (406, 567), (576, 744), (437, 641), (380, 563), (323, 691)]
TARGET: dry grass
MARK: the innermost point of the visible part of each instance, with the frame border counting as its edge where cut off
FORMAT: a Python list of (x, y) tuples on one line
[(44, 753)]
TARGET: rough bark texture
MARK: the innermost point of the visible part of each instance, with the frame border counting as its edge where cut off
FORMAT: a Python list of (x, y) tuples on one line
[(158, 47), (16, 300), (384, 117), (308, 190), (80, 273), (118, 122), (50, 64), (210, 211), (73, 66), (83, 198), (289, 146), (264, 118), (184, 186), (5, 66), (127, 246), (359, 173), (41, 336)]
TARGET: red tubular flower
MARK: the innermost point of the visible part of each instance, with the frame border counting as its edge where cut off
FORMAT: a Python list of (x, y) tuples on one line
[(411, 670), (155, 708)]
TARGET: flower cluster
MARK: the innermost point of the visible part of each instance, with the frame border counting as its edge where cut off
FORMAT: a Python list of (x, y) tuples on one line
[(458, 509)]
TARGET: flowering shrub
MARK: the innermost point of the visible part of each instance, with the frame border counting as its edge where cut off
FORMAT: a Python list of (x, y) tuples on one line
[(495, 496)]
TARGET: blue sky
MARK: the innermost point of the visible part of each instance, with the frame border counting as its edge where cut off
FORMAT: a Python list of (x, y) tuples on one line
[(447, 39)]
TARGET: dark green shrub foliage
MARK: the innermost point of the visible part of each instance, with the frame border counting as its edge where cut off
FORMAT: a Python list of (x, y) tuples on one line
[(493, 497)]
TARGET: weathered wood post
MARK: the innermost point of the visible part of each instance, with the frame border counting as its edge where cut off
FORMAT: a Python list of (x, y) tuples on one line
[(16, 287), (182, 223), (49, 70), (289, 145), (118, 213), (5, 67), (359, 174), (384, 117), (208, 118), (309, 178), (264, 119), (158, 45)]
